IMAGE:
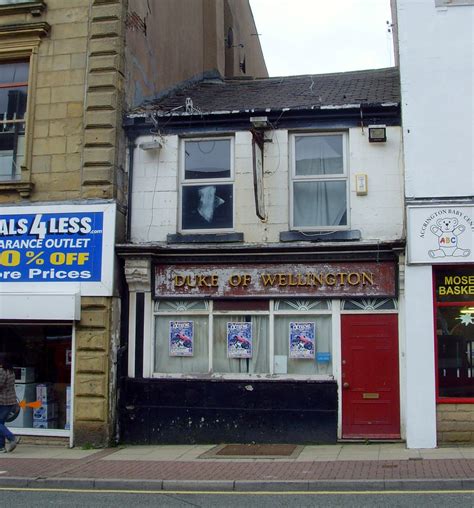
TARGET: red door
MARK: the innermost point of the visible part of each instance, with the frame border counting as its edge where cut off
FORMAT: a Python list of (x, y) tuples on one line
[(370, 390)]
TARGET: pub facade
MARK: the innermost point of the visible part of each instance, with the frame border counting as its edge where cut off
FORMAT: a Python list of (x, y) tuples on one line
[(264, 263)]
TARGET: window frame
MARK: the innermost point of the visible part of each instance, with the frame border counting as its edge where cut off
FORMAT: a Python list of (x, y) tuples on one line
[(24, 45), (16, 175), (34, 7), (193, 182), (293, 178)]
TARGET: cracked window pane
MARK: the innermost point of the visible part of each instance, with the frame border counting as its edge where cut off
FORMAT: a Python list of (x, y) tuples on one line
[(207, 207)]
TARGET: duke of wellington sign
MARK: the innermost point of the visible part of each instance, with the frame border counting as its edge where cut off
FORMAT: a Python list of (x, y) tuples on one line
[(278, 280)]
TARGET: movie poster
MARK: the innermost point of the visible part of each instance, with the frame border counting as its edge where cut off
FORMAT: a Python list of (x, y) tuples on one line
[(181, 339), (302, 340), (239, 340)]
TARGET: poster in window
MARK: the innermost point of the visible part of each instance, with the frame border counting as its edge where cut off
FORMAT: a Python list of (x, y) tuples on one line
[(239, 340), (302, 340), (181, 338)]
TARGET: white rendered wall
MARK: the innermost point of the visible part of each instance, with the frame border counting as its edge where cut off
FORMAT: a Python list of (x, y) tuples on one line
[(437, 83), (420, 399), (378, 215)]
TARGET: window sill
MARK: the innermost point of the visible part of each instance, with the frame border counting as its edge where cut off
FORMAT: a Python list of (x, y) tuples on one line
[(23, 188), (455, 400), (275, 378), (40, 29), (35, 8), (206, 238), (335, 236)]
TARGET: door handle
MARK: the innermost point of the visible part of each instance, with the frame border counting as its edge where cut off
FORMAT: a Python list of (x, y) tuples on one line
[(345, 385)]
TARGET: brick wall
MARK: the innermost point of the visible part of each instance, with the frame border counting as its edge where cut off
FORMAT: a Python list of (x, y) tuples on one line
[(92, 419), (455, 423), (74, 130)]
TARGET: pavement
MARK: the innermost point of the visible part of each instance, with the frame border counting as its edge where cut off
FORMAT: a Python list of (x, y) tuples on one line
[(348, 466)]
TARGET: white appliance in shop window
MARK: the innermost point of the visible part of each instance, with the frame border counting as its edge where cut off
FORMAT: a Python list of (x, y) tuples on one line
[(24, 374)]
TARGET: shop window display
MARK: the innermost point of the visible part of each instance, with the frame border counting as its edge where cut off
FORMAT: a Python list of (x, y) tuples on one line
[(42, 357), (234, 337), (455, 332)]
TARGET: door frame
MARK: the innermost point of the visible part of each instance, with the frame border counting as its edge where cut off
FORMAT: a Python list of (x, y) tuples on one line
[(337, 348)]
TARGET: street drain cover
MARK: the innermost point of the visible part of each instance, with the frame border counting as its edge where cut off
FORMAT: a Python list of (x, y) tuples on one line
[(253, 450)]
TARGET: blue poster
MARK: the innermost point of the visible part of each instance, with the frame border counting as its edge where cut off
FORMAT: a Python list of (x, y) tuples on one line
[(181, 339), (51, 247), (239, 340), (302, 340)]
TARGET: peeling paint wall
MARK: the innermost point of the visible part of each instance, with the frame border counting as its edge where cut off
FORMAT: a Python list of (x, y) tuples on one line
[(378, 215)]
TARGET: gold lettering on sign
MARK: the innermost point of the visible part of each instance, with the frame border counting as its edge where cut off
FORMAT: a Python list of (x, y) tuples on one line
[(268, 280), (279, 280), (316, 279), (198, 281), (367, 278), (342, 277), (353, 278), (178, 281), (236, 280)]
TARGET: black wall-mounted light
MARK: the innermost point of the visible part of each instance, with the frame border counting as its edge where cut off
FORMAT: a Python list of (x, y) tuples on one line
[(377, 133)]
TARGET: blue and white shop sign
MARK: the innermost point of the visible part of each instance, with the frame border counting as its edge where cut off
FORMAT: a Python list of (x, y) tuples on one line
[(440, 234), (57, 248)]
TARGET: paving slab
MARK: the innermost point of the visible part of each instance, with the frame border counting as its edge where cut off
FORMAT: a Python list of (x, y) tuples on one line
[(183, 468)]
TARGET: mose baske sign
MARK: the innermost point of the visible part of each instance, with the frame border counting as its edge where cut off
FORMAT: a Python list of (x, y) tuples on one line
[(264, 280)]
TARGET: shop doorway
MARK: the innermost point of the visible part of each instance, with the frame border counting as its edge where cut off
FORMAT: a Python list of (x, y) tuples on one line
[(41, 354), (370, 376)]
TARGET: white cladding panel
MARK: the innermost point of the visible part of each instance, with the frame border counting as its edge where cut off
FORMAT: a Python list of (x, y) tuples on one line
[(420, 407), (378, 215), (48, 306), (437, 83)]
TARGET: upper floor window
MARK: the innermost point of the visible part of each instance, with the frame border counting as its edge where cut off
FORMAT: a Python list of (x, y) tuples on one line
[(207, 189), (319, 182), (13, 96)]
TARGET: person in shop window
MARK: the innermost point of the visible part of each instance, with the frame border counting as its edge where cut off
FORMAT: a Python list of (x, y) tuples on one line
[(8, 441)]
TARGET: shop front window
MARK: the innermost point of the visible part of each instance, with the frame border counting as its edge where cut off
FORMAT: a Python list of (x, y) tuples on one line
[(42, 359), (243, 337), (240, 344), (455, 332)]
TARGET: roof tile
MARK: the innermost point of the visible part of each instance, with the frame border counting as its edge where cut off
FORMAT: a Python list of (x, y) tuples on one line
[(375, 86)]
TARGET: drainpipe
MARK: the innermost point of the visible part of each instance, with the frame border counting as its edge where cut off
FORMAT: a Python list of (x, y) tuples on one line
[(131, 152)]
